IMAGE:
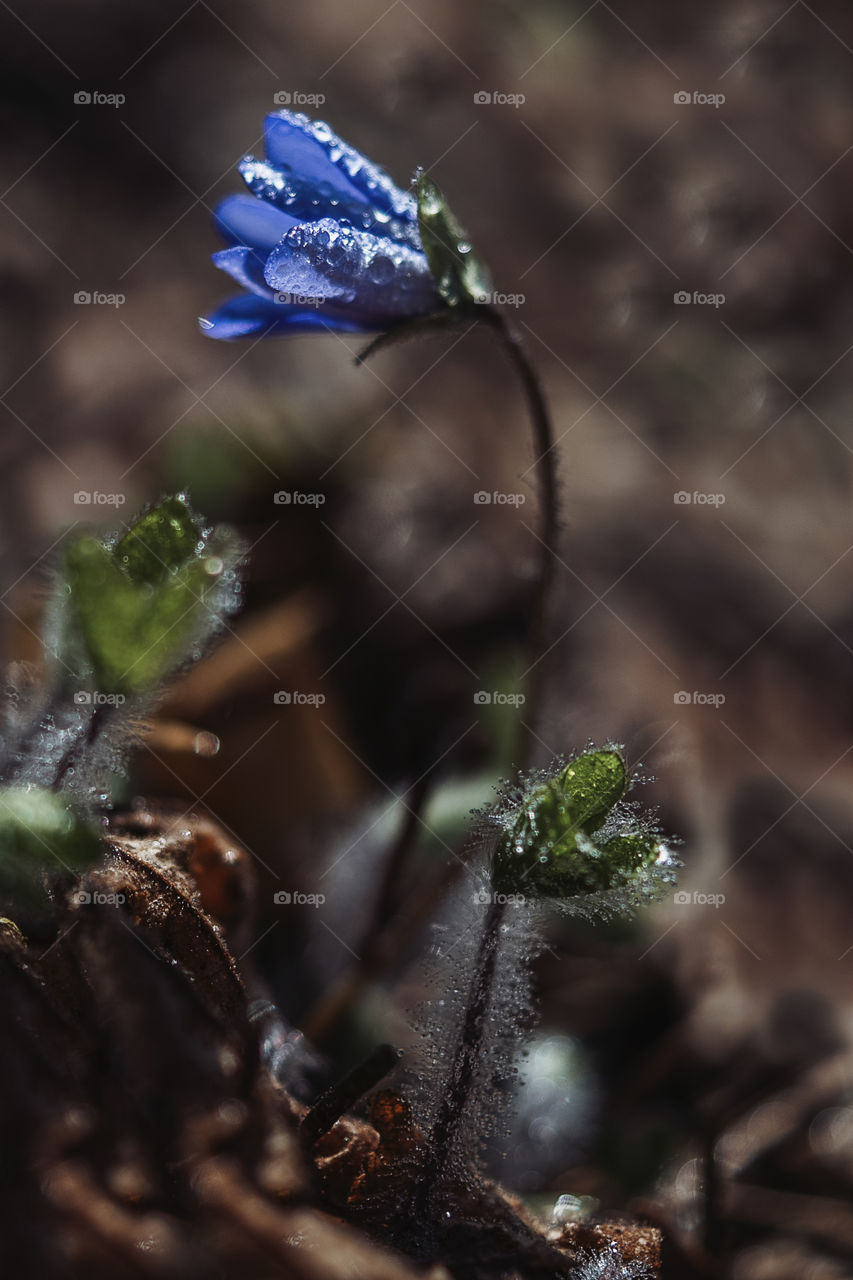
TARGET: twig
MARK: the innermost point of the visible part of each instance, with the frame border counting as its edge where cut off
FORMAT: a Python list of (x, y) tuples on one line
[(343, 1095)]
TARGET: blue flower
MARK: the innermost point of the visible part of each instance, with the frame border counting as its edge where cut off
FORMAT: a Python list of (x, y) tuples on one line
[(325, 241)]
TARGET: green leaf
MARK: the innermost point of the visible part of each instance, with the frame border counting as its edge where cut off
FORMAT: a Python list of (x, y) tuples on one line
[(160, 542), (461, 276), (629, 854), (550, 849), (40, 831), (591, 785), (137, 609)]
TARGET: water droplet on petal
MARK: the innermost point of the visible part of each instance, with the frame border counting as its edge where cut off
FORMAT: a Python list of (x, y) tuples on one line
[(381, 270)]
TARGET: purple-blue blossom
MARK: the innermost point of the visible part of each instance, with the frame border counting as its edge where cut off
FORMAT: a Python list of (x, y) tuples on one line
[(326, 240)]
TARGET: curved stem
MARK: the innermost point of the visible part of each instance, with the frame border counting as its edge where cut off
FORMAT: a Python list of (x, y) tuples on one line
[(546, 471)]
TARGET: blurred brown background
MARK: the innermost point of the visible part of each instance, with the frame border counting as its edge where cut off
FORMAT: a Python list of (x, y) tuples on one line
[(705, 464)]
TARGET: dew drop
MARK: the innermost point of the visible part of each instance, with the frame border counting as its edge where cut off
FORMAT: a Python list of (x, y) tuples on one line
[(381, 270)]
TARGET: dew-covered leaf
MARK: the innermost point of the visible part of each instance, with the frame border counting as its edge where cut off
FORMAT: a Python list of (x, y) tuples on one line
[(551, 848), (137, 609), (589, 787), (162, 541)]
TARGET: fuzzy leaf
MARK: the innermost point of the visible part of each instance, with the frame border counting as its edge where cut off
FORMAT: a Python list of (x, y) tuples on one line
[(161, 541), (40, 830), (139, 607), (550, 848)]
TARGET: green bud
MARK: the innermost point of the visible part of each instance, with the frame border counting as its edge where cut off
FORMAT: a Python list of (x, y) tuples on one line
[(550, 848), (461, 276)]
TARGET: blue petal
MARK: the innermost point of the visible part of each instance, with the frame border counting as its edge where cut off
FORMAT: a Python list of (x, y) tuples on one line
[(246, 315), (246, 267), (364, 275), (240, 317), (308, 201), (310, 149), (243, 220)]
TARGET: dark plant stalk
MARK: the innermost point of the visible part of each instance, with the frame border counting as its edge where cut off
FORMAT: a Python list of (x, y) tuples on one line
[(398, 859), (27, 744), (327, 1013), (466, 1058), (342, 1096), (85, 739)]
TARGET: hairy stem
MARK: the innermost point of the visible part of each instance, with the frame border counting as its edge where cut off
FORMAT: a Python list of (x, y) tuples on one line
[(86, 739), (31, 742), (466, 1058)]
